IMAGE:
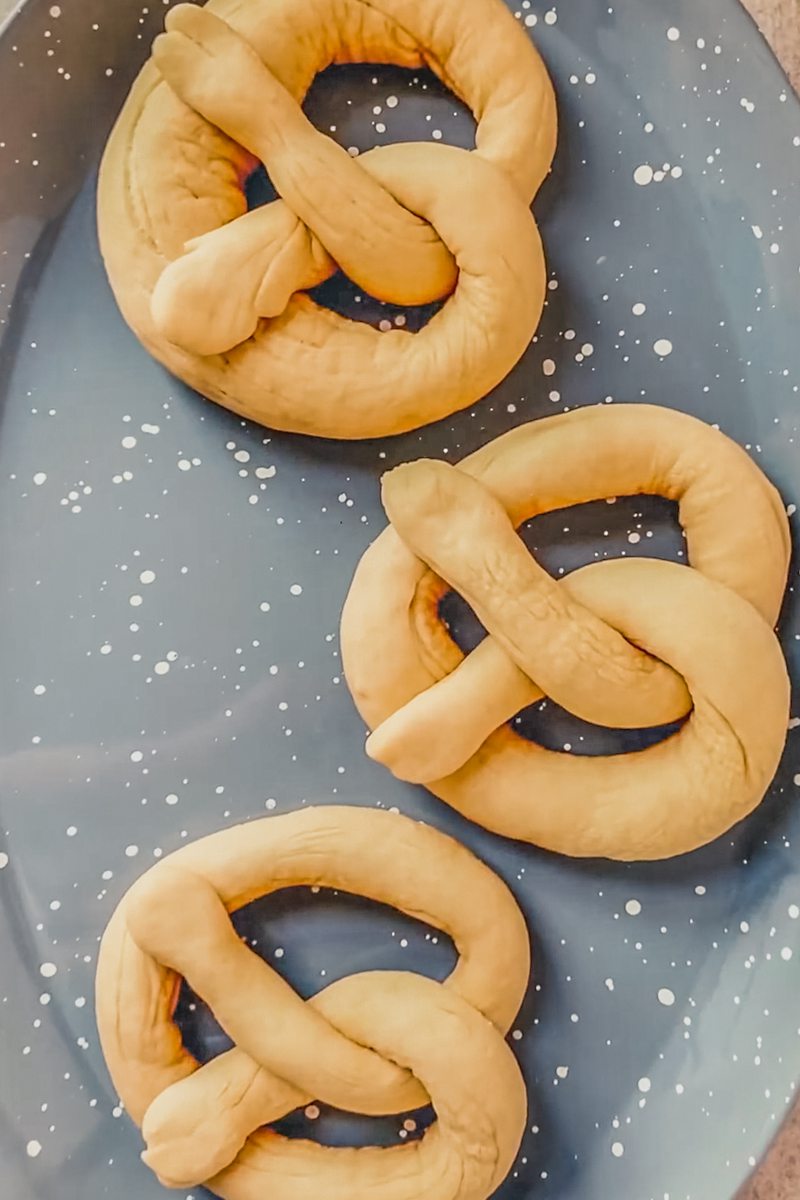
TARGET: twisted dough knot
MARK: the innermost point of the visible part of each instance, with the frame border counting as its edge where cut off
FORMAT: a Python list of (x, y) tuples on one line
[(217, 294), (623, 643), (374, 1043)]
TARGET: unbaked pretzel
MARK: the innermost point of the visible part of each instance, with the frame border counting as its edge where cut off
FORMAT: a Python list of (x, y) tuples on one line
[(439, 717), (374, 1043), (217, 294)]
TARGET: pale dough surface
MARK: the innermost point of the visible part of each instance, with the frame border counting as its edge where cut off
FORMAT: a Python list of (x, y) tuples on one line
[(217, 294), (375, 1043), (625, 643)]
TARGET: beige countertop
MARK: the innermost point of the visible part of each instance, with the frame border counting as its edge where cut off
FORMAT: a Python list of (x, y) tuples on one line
[(779, 1177)]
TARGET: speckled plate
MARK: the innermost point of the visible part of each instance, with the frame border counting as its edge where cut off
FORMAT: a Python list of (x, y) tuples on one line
[(172, 582)]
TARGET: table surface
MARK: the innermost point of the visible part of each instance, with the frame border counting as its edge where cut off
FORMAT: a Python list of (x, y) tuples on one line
[(779, 1176)]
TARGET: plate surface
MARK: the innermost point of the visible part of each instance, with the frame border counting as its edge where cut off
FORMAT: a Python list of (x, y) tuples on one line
[(169, 635)]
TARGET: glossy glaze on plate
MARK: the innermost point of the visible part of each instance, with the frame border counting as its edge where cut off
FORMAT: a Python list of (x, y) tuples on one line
[(172, 582)]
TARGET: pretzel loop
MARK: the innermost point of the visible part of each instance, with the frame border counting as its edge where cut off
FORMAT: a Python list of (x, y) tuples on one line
[(218, 293), (624, 643), (354, 1044)]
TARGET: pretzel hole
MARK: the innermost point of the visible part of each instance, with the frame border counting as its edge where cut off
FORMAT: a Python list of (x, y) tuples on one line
[(562, 541), (345, 97), (313, 937)]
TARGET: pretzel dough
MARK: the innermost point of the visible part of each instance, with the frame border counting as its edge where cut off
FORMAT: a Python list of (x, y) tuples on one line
[(376, 1043), (628, 642), (217, 294)]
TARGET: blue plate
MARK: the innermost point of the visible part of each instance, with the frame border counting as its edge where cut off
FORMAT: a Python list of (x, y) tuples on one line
[(161, 678)]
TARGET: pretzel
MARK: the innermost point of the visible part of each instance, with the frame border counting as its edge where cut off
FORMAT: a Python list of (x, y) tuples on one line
[(218, 294), (624, 643), (375, 1042)]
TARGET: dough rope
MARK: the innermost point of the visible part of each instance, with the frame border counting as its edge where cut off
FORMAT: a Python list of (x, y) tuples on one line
[(376, 1042), (623, 643), (217, 294)]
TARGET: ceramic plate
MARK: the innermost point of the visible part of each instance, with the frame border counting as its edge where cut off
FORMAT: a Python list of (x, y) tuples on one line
[(169, 637)]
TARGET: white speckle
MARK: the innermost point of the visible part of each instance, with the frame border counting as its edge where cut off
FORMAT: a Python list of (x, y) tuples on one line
[(184, 464), (380, 127), (391, 101), (648, 127), (80, 1002), (791, 509), (633, 908), (161, 667), (131, 851), (72, 830), (34, 1148), (744, 926), (353, 151), (136, 756), (673, 34), (591, 78), (663, 347), (786, 953), (151, 428), (437, 135), (264, 472), (171, 798), (548, 367), (562, 1072), (242, 456), (39, 478), (128, 442), (3, 859), (47, 970), (587, 349), (105, 648), (617, 1149), (312, 1112), (644, 1084), (270, 804), (676, 172), (39, 690), (135, 601), (296, 589), (639, 309), (747, 105), (531, 20), (643, 175), (634, 538), (147, 577), (666, 997), (610, 984), (679, 1090), (264, 606), (700, 890), (794, 911), (550, 17), (758, 232), (774, 248)]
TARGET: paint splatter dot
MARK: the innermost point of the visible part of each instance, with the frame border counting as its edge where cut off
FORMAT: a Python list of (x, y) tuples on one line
[(171, 798), (639, 309), (644, 1084), (643, 175), (663, 347), (162, 667), (3, 859), (617, 1149), (666, 997), (39, 478), (33, 1148), (47, 970), (633, 908), (786, 953), (548, 367), (147, 577), (673, 34), (131, 851), (296, 589), (128, 442)]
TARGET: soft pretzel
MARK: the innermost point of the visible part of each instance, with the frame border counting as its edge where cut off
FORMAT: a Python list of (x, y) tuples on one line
[(375, 1042), (625, 643), (218, 294)]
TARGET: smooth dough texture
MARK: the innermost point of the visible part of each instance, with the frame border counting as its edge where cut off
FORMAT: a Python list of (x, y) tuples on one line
[(375, 1043), (623, 643), (217, 294)]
